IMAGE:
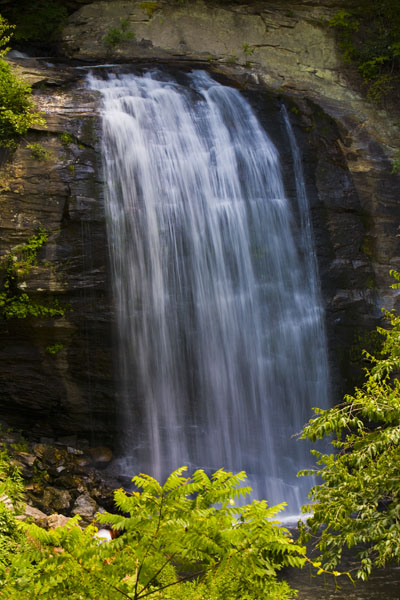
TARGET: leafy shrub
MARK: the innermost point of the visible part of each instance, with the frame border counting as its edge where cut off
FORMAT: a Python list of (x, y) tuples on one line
[(358, 502), (12, 539), (66, 139), (369, 37), (16, 106), (247, 49), (185, 540), (38, 152), (116, 35), (396, 163), (11, 482), (149, 7), (15, 304), (38, 21), (54, 349), (5, 35)]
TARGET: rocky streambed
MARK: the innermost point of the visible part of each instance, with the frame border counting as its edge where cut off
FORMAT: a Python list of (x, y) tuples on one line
[(61, 478)]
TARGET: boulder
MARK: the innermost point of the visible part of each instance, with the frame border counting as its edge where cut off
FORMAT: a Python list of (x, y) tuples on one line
[(39, 517), (56, 499), (56, 520), (25, 458), (85, 506)]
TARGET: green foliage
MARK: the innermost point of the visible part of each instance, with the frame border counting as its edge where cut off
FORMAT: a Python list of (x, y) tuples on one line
[(344, 20), (22, 307), (231, 59), (116, 35), (38, 152), (149, 7), (21, 446), (369, 37), (248, 50), (54, 349), (12, 539), (358, 503), (38, 21), (15, 304), (24, 256), (11, 491), (40, 476), (396, 163), (16, 106), (5, 35), (11, 482), (365, 340), (396, 276), (66, 139), (185, 540)]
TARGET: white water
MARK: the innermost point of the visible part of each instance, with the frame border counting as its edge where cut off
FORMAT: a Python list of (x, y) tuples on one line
[(221, 341)]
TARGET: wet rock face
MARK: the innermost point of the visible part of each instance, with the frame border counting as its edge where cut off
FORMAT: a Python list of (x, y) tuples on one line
[(354, 226), (290, 48), (354, 285), (56, 374)]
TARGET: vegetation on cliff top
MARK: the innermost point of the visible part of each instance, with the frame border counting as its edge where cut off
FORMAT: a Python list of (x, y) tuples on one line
[(369, 36), (37, 22)]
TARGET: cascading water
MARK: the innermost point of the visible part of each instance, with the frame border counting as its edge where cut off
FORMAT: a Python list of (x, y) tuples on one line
[(221, 342)]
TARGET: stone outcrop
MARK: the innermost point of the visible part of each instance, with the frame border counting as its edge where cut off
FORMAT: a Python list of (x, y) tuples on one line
[(289, 48), (56, 374), (275, 52), (57, 487)]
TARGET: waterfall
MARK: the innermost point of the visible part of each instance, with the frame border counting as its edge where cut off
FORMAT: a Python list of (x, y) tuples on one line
[(220, 329)]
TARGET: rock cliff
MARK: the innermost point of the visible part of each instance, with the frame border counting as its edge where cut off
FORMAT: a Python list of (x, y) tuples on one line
[(276, 52), (288, 47), (56, 374)]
